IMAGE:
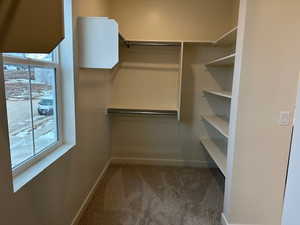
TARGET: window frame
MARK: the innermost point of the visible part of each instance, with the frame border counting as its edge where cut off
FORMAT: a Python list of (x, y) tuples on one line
[(55, 64)]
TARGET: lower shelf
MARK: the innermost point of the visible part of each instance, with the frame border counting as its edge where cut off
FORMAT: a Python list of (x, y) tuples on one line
[(145, 112), (216, 153)]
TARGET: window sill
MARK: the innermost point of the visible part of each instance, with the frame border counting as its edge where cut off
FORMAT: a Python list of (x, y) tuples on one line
[(31, 172)]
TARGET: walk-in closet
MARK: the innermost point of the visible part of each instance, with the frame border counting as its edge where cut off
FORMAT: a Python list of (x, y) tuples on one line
[(148, 112), (169, 110)]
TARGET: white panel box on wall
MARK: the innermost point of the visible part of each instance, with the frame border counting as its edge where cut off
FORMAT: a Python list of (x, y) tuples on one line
[(98, 39)]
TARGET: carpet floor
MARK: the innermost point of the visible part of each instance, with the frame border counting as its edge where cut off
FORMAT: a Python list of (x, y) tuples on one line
[(146, 195)]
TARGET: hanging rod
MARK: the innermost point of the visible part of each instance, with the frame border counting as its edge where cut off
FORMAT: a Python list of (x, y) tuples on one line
[(150, 43), (124, 40), (142, 112), (129, 43)]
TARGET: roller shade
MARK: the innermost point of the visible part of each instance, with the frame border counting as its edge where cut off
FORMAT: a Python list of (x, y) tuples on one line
[(32, 26)]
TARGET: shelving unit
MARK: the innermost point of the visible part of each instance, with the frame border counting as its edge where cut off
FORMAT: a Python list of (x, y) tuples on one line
[(225, 94), (223, 61), (216, 153), (215, 146), (219, 124)]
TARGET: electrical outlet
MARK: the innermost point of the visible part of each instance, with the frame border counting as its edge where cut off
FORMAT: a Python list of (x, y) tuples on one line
[(284, 118)]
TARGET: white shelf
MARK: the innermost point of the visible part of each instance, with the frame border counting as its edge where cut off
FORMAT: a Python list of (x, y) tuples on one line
[(216, 153), (225, 94), (142, 111), (227, 39), (224, 61), (219, 124)]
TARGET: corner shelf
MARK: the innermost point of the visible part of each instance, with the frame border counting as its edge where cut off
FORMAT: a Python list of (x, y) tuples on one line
[(216, 153), (219, 124), (227, 39), (225, 94), (224, 61)]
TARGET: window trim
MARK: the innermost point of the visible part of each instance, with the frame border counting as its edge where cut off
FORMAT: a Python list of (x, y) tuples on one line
[(31, 62), (55, 64)]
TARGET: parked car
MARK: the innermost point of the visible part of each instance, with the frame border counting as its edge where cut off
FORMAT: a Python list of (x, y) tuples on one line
[(10, 68), (45, 106)]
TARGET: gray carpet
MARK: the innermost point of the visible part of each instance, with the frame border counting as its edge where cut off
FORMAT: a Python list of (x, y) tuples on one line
[(146, 195)]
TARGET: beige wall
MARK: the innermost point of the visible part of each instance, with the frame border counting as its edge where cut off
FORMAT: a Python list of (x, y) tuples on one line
[(268, 84), (54, 197), (147, 77), (91, 7), (236, 7), (173, 19)]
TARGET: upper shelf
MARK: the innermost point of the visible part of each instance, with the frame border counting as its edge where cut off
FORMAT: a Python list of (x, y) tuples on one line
[(228, 38), (129, 43), (224, 61)]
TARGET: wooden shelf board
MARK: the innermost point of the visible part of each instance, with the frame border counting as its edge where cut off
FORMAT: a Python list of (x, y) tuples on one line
[(224, 61), (215, 153), (229, 38), (225, 94), (219, 124)]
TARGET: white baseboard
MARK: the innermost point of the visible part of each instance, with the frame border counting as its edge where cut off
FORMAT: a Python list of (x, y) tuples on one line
[(88, 198), (224, 220), (161, 162)]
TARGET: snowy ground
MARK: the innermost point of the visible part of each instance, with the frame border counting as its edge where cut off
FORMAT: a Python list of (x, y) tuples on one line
[(27, 137), (20, 130)]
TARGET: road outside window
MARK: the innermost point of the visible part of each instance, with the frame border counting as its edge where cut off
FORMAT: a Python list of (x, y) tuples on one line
[(31, 98)]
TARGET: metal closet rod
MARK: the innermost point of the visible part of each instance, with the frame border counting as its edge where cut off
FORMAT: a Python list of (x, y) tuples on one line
[(147, 43), (142, 112)]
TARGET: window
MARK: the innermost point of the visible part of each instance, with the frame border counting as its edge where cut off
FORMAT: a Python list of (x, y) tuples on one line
[(32, 100)]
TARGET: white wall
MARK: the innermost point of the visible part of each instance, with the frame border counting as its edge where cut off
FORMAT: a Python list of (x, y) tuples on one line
[(54, 197), (268, 84)]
